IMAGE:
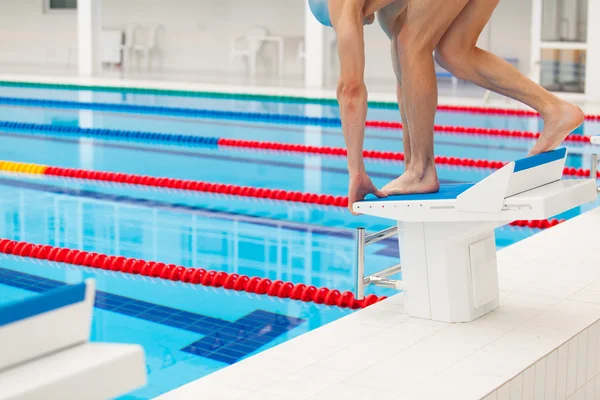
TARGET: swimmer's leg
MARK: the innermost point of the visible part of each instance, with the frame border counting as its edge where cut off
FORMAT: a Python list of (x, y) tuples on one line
[(458, 53), (426, 21), (391, 28), (405, 129)]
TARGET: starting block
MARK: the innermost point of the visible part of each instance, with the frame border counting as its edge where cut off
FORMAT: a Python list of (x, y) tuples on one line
[(447, 241), (46, 353), (594, 166)]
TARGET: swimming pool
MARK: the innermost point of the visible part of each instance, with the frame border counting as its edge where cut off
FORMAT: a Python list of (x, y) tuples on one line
[(189, 330)]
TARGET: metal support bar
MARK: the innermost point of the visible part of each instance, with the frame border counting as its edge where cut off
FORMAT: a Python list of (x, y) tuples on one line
[(394, 269), (381, 235), (594, 168), (360, 261), (379, 278), (388, 283)]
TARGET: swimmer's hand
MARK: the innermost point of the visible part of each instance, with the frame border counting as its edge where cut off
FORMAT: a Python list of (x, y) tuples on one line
[(360, 185)]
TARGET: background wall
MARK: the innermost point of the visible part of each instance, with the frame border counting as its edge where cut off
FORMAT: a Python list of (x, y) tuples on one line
[(29, 36), (510, 31), (197, 33)]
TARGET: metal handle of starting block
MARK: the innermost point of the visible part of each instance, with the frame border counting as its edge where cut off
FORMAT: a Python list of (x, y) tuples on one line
[(594, 168), (381, 235), (379, 278), (360, 262)]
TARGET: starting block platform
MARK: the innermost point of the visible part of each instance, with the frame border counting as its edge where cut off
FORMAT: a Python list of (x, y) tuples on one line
[(447, 241), (594, 162), (46, 353)]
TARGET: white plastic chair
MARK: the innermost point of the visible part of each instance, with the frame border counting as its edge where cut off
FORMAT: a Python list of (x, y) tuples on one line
[(128, 43), (248, 47), (150, 44)]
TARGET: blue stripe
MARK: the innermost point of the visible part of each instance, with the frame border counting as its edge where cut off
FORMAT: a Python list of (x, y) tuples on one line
[(43, 303), (243, 337), (540, 159), (178, 111), (446, 192)]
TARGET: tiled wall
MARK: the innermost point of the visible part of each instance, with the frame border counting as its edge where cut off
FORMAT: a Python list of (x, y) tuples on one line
[(571, 372)]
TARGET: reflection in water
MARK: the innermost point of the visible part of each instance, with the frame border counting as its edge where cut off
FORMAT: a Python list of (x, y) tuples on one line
[(277, 249)]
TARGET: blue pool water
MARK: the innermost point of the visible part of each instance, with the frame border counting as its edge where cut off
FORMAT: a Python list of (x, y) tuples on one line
[(189, 331)]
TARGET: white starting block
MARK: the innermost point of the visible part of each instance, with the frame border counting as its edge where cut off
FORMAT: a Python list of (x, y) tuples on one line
[(594, 166), (447, 241), (45, 353)]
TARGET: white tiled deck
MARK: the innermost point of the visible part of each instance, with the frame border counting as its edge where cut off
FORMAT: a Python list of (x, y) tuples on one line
[(542, 343)]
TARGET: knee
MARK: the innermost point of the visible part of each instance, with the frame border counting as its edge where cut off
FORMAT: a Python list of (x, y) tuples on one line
[(409, 42), (454, 59), (350, 88), (351, 93)]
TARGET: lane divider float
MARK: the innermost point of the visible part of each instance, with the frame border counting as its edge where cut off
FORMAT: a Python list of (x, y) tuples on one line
[(195, 276), (269, 98), (470, 130), (265, 117), (205, 141), (205, 187)]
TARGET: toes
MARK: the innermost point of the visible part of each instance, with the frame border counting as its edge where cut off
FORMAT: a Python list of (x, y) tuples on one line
[(380, 193), (386, 188), (393, 191)]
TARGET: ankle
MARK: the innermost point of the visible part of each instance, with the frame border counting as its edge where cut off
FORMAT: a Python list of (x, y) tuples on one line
[(421, 170), (552, 107)]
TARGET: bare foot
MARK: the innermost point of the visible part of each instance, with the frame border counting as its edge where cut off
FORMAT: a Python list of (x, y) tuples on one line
[(412, 182), (359, 186), (558, 123)]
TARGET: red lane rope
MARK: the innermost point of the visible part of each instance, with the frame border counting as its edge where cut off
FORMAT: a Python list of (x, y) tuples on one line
[(376, 154), (196, 276), (231, 190), (478, 131), (500, 111)]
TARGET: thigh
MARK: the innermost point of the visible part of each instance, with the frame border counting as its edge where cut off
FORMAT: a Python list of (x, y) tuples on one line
[(428, 20), (391, 17), (394, 29), (466, 28)]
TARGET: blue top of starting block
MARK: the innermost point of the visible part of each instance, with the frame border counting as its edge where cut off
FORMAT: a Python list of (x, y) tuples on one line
[(451, 191), (540, 159), (42, 303), (448, 191)]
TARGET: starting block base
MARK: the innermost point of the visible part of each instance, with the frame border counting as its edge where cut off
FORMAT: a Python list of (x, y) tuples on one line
[(450, 269)]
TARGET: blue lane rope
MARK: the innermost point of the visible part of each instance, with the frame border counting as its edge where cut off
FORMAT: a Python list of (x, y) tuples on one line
[(175, 111), (112, 134)]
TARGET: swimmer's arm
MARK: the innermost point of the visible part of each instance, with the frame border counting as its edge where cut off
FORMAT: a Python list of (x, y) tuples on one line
[(351, 89)]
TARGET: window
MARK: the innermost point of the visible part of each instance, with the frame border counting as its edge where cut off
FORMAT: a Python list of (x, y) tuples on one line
[(563, 70), (564, 20), (60, 5)]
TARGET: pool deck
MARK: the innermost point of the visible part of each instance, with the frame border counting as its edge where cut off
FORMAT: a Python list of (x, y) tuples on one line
[(541, 343)]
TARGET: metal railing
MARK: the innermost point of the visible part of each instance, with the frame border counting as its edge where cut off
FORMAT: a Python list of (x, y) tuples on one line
[(594, 168), (379, 278)]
